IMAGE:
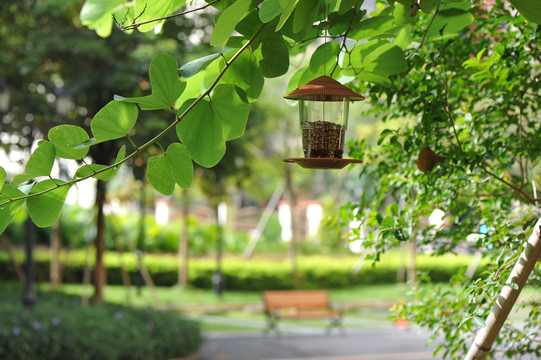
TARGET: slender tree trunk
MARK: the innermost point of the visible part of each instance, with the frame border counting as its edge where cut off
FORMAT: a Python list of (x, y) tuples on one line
[(29, 295), (100, 274), (412, 266), (184, 238), (55, 256), (482, 344), (293, 243)]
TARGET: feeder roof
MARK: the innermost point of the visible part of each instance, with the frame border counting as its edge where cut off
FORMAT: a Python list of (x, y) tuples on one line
[(323, 86)]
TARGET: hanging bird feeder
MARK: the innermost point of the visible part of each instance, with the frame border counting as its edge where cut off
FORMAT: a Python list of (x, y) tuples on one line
[(323, 112)]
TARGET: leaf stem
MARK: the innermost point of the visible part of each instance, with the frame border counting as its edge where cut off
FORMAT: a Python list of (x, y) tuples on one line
[(135, 25), (429, 25), (161, 134), (344, 41)]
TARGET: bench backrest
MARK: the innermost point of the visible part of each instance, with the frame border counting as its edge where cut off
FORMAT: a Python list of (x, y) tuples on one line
[(298, 299)]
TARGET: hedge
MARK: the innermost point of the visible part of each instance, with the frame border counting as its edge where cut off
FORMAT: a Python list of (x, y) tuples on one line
[(59, 328), (257, 274)]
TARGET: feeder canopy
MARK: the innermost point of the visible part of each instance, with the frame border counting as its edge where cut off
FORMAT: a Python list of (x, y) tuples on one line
[(324, 88)]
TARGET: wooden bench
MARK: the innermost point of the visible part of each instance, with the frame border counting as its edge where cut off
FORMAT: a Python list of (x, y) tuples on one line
[(299, 304)]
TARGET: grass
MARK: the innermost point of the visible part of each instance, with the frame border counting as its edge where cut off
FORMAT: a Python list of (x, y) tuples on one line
[(190, 297)]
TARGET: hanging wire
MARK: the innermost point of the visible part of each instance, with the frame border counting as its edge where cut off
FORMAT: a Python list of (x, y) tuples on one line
[(325, 11)]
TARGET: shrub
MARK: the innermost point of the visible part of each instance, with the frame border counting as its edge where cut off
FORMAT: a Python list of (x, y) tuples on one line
[(261, 273), (59, 328)]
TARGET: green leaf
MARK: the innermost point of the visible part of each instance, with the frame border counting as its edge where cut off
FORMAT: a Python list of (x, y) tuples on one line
[(403, 37), (180, 164), (148, 10), (479, 321), (45, 209), (292, 4), (96, 15), (193, 67), (428, 5), (231, 109), (166, 85), (66, 139), (275, 53), (372, 27), (269, 10), (40, 163), (374, 78), (305, 15), (159, 175), (448, 23), (324, 57), (201, 132), (228, 20), (530, 9), (246, 74), (387, 59), (9, 209), (88, 170), (114, 121), (3, 176), (346, 5)]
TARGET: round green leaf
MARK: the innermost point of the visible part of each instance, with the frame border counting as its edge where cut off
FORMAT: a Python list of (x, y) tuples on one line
[(96, 15), (227, 21), (147, 10), (160, 175), (269, 10), (66, 139), (387, 59), (201, 132), (180, 164), (325, 57), (41, 161), (231, 109), (165, 82), (2, 176), (45, 209), (448, 23), (275, 56), (530, 9), (114, 121), (246, 74), (9, 209)]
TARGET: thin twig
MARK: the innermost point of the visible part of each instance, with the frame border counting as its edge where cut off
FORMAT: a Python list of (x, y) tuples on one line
[(344, 42), (154, 139), (135, 25), (503, 181), (429, 25)]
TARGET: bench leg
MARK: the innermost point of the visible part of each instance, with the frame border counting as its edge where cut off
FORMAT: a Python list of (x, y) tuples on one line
[(335, 322), (272, 325)]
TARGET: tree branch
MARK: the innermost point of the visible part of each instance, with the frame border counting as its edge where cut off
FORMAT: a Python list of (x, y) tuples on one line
[(153, 140), (135, 25), (429, 25), (345, 38)]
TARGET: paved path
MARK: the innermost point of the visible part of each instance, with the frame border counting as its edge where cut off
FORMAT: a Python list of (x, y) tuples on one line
[(304, 343)]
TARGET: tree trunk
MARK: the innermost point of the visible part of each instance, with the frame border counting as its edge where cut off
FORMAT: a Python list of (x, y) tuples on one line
[(55, 256), (412, 265), (29, 295), (293, 243), (482, 344), (99, 273), (184, 238)]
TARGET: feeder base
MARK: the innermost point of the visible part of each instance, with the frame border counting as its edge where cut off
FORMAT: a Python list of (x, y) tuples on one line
[(322, 163)]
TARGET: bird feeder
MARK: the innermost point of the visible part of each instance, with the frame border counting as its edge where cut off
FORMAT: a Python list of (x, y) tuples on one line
[(323, 115)]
